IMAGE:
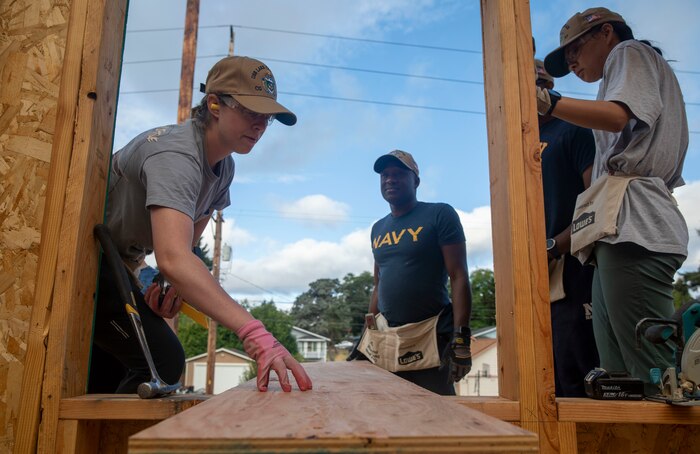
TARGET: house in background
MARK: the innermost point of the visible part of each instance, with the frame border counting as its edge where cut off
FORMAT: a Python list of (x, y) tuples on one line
[(232, 365), (230, 369), (482, 380), (313, 347)]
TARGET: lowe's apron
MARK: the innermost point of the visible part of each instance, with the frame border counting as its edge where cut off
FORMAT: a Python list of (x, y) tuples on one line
[(596, 212), (412, 346)]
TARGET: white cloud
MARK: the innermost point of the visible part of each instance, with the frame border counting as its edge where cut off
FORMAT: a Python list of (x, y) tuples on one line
[(289, 269), (688, 198), (477, 229), (316, 210), (230, 234)]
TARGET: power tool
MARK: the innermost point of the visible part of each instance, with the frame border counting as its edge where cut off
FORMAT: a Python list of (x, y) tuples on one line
[(679, 384), (603, 385)]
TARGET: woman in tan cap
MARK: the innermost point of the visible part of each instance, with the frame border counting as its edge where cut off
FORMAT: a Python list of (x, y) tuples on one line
[(164, 186), (627, 223)]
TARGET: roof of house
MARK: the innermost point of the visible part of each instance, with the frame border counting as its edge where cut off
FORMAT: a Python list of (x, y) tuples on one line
[(230, 351), (308, 335), (481, 345), (487, 332)]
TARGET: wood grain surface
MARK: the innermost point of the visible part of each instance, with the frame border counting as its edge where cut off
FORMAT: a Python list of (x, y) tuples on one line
[(353, 405)]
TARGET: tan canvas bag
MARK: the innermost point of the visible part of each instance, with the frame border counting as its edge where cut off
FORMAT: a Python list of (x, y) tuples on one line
[(556, 279), (408, 347), (595, 216)]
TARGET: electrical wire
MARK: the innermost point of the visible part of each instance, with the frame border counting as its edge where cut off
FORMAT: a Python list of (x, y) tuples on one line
[(318, 35)]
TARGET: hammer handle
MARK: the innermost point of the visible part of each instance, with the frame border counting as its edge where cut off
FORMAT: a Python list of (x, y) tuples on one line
[(116, 265)]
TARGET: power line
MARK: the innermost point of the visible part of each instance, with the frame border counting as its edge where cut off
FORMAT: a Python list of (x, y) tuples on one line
[(334, 98), (340, 37), (347, 68), (337, 98), (318, 35), (321, 65)]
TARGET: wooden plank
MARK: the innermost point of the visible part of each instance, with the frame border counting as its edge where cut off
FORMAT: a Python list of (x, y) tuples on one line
[(354, 405), (125, 406), (72, 305), (637, 438), (620, 411), (518, 219), (498, 407), (567, 438)]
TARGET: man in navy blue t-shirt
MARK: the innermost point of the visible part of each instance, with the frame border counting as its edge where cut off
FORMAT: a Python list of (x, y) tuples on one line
[(416, 247), (567, 159)]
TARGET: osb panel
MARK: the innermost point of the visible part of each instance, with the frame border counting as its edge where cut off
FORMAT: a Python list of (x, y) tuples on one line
[(32, 42), (637, 438)]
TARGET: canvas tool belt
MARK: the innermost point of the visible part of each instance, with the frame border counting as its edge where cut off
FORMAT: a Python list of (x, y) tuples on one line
[(408, 347), (556, 279), (595, 216)]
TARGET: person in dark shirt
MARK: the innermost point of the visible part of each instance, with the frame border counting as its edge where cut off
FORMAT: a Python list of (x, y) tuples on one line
[(416, 247), (568, 152)]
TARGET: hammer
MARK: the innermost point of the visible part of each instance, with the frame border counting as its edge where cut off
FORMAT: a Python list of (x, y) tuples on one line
[(156, 387)]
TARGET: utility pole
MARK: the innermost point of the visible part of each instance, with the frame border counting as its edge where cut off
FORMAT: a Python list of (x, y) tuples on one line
[(211, 338), (189, 54), (216, 271)]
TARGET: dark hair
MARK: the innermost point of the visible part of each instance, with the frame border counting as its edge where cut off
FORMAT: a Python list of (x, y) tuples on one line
[(624, 33), (200, 113)]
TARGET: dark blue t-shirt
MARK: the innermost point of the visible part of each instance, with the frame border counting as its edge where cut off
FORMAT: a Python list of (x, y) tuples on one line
[(568, 151), (412, 273)]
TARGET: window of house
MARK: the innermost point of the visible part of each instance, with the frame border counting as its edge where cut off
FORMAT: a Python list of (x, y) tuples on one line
[(485, 368)]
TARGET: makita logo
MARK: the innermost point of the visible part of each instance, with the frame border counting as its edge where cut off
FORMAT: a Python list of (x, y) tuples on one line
[(410, 357), (582, 221)]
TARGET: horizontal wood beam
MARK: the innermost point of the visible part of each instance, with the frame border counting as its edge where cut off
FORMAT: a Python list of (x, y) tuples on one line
[(625, 412), (125, 406)]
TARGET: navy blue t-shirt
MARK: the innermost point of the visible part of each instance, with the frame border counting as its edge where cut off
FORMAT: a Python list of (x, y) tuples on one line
[(412, 273), (568, 151)]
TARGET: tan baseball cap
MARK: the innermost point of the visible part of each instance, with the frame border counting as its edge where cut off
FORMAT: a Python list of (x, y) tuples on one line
[(575, 27), (251, 83), (396, 156), (540, 72)]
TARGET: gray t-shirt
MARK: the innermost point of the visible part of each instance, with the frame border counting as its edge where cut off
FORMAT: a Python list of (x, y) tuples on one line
[(652, 144), (166, 167)]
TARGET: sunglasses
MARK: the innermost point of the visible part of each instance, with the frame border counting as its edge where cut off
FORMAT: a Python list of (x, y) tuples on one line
[(253, 117)]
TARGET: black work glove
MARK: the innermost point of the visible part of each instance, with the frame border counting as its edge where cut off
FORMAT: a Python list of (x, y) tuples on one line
[(457, 355)]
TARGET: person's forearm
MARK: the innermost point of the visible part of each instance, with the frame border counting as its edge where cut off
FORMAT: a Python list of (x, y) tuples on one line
[(461, 301), (374, 302), (190, 277), (601, 115), (563, 240)]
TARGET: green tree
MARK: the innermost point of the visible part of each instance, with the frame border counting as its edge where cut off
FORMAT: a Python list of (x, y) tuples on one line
[(194, 337), (321, 311), (356, 292), (483, 287)]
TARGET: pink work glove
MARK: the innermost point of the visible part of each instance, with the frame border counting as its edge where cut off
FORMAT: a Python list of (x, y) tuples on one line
[(270, 354)]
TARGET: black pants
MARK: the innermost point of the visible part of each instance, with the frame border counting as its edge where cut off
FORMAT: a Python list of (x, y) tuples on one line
[(434, 379), (575, 352), (118, 364)]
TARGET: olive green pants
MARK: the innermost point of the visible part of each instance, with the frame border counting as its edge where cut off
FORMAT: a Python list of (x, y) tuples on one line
[(631, 283)]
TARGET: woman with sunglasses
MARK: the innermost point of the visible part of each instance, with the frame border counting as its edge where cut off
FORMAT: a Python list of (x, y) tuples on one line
[(641, 135), (164, 187)]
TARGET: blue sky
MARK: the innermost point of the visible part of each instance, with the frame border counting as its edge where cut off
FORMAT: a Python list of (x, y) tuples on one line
[(304, 200)]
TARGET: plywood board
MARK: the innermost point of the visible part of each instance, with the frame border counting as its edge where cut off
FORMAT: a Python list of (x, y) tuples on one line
[(32, 44), (354, 405)]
